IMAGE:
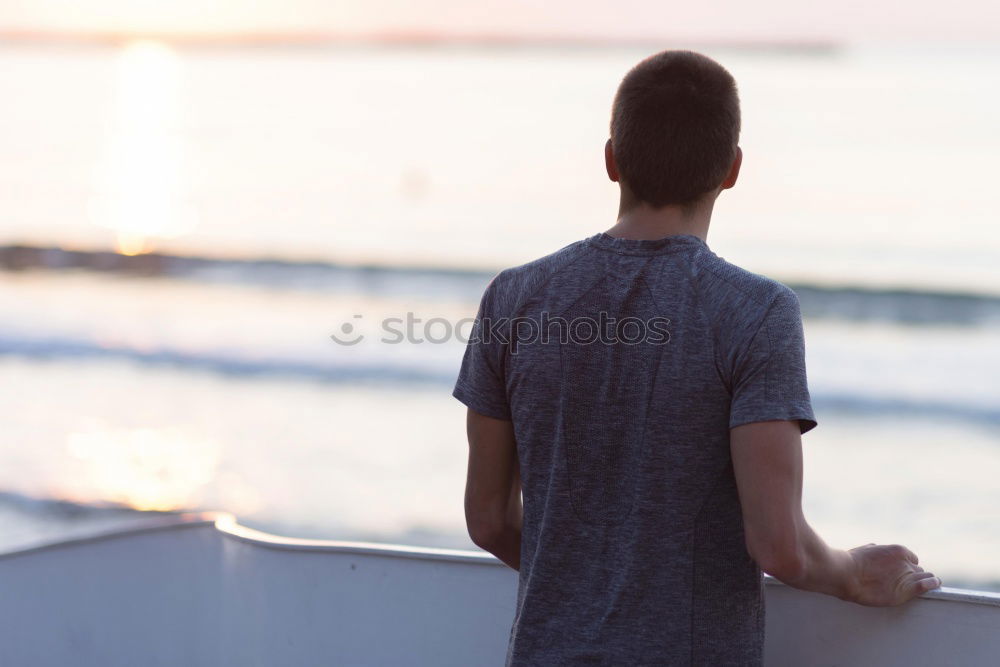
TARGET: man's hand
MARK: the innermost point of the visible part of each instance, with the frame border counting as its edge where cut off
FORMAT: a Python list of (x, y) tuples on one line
[(888, 575), (767, 463)]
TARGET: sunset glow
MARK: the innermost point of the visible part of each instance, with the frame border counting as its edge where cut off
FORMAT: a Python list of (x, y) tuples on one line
[(140, 191), (143, 468)]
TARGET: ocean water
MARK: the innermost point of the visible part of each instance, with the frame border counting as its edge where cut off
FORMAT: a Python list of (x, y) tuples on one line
[(183, 229)]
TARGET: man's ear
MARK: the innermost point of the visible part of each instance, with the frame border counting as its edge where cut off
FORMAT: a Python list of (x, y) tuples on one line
[(609, 161), (734, 170)]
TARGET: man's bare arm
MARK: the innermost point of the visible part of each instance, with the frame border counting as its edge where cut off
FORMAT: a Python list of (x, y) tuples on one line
[(493, 508), (767, 461)]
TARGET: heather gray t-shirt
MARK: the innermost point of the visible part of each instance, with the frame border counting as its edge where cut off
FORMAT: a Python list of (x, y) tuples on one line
[(622, 365)]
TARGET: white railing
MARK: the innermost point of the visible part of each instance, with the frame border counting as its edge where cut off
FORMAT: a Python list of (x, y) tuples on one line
[(202, 590)]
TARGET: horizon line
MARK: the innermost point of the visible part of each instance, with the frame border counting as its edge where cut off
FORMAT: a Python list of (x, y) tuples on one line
[(396, 38)]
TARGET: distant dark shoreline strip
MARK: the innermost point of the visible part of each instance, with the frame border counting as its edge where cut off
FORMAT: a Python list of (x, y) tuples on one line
[(845, 303)]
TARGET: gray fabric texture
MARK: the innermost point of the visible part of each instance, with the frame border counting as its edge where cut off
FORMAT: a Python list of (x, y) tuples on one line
[(633, 549)]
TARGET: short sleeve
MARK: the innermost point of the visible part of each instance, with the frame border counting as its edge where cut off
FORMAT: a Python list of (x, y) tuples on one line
[(769, 379), (481, 383)]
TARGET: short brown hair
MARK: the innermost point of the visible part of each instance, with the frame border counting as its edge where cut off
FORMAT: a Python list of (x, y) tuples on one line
[(675, 125)]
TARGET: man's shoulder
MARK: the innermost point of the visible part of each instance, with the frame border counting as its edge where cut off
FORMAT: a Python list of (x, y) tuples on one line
[(512, 286), (728, 287), (543, 266)]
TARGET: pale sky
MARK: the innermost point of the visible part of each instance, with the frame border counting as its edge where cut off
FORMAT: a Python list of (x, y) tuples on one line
[(844, 21)]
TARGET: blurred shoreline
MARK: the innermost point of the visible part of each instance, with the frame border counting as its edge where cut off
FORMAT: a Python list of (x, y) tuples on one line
[(851, 301)]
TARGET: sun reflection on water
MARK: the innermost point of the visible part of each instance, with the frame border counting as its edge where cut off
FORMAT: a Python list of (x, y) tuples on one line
[(143, 468), (140, 190)]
